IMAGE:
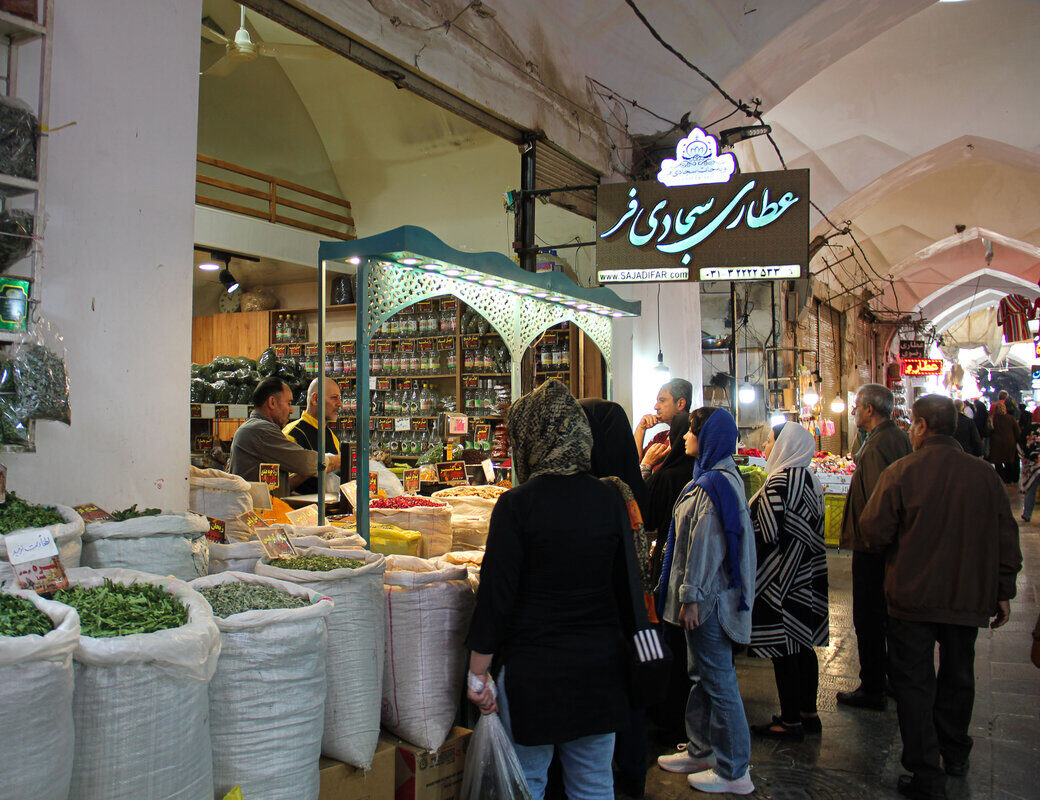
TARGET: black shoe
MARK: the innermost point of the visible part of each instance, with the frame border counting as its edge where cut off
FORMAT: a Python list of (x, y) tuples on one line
[(861, 699), (908, 787), (778, 729), (956, 769), (1025, 519), (812, 725)]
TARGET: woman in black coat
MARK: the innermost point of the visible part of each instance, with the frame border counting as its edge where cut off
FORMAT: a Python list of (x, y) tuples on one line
[(555, 595)]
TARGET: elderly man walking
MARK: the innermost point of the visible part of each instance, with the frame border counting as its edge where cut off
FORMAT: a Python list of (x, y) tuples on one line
[(944, 522), (885, 444)]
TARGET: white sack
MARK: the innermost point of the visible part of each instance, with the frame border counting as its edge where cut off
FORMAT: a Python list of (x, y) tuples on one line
[(428, 613), (470, 559), (222, 496), (68, 536), (141, 705), (355, 661), (36, 680), (173, 543), (267, 698), (242, 556), (434, 523)]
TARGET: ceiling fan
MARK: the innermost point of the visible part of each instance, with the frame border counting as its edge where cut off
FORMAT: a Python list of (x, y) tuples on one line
[(243, 49)]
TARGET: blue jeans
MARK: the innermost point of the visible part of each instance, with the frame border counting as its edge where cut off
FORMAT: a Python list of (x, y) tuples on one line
[(586, 762), (715, 721), (1029, 498)]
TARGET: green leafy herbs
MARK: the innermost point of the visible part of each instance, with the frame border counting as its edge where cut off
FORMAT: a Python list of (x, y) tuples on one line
[(115, 609), (16, 513), (318, 563), (19, 617), (134, 513), (234, 598)]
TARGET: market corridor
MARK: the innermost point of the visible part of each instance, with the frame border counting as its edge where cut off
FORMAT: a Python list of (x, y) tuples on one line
[(858, 753)]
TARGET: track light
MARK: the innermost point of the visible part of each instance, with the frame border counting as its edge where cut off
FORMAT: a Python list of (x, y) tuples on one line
[(731, 136), (228, 280)]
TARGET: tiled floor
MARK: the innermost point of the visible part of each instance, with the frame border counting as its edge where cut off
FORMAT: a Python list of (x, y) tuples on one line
[(858, 754)]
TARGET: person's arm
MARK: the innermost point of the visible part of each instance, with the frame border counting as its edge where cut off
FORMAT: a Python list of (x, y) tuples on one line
[(704, 558), (648, 421), (654, 455), (879, 522), (275, 446)]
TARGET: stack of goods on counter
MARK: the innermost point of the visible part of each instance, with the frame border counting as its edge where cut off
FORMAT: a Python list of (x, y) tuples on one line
[(224, 380), (63, 523), (267, 742), (37, 639), (431, 518), (147, 650), (471, 508), (754, 477), (353, 580), (835, 474), (165, 543)]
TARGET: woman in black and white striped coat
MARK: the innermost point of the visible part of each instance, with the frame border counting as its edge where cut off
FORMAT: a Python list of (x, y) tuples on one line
[(790, 615)]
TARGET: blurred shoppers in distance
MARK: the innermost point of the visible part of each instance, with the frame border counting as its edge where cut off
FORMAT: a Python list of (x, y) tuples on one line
[(1029, 452), (939, 513), (967, 434), (1003, 443), (790, 616)]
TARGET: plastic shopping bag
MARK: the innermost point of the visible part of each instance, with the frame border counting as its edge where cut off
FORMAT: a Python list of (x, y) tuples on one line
[(492, 769)]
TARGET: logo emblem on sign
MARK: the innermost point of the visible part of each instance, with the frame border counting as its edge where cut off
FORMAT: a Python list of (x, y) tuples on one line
[(697, 160)]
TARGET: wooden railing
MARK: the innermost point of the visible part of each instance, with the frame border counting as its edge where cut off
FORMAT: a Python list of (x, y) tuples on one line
[(270, 192)]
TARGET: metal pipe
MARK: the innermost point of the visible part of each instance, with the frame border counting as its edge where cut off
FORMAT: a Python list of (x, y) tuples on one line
[(363, 396), (735, 359), (322, 271), (525, 217)]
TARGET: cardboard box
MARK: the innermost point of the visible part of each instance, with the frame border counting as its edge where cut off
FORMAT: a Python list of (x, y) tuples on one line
[(421, 775), (341, 781)]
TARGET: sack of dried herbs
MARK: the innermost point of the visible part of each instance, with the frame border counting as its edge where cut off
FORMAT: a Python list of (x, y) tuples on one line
[(168, 543), (141, 704), (36, 679), (355, 625), (268, 742), (17, 516)]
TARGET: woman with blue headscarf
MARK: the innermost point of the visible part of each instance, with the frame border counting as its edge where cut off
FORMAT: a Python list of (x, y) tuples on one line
[(708, 583)]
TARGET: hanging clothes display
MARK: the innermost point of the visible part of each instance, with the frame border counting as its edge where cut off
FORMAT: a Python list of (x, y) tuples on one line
[(1013, 315)]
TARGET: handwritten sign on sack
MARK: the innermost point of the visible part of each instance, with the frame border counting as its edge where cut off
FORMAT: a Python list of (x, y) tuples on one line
[(34, 557)]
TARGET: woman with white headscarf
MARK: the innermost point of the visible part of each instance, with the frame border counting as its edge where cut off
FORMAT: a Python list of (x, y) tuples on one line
[(790, 615)]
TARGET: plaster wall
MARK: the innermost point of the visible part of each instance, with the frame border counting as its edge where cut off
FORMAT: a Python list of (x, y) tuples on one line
[(118, 254)]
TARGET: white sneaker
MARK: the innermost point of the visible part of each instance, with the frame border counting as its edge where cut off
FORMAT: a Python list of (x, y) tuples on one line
[(710, 781), (684, 763)]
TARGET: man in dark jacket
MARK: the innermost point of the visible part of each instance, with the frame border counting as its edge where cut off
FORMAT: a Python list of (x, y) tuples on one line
[(944, 521), (967, 434), (885, 443)]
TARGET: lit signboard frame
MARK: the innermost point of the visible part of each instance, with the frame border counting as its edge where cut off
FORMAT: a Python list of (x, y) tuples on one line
[(916, 367), (700, 216)]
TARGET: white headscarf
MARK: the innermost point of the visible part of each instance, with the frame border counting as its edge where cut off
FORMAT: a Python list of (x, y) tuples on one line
[(794, 447)]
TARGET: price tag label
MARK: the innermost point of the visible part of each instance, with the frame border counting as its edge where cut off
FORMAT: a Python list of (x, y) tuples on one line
[(410, 479), (419, 423), (280, 350), (446, 343), (204, 441), (425, 306), (373, 484), (470, 342), (372, 383), (295, 350), (384, 347), (275, 542), (482, 433), (489, 470), (425, 345), (458, 424), (386, 424), (312, 349), (269, 474), (308, 515), (347, 348), (221, 411), (91, 512), (402, 424), (196, 410), (33, 556), (471, 383), (408, 346), (344, 384), (450, 304), (406, 384), (253, 520), (549, 337), (452, 473), (383, 384), (217, 531)]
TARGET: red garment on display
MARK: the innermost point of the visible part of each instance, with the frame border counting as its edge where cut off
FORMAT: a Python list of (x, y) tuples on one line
[(1013, 314)]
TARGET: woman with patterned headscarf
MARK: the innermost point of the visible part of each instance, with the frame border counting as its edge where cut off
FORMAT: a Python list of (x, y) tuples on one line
[(555, 592), (709, 566), (790, 616)]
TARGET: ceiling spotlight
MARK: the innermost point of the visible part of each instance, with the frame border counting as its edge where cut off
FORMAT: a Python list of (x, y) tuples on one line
[(731, 136), (410, 261), (209, 266), (228, 280), (355, 260)]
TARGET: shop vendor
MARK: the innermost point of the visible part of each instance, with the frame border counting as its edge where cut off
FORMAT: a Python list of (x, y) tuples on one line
[(260, 440), (304, 431)]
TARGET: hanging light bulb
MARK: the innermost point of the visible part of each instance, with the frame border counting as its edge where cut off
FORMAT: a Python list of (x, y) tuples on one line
[(746, 394), (662, 370), (811, 398), (837, 405), (777, 419)]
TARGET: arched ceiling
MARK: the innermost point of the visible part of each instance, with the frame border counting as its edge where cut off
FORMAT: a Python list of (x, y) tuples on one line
[(913, 116)]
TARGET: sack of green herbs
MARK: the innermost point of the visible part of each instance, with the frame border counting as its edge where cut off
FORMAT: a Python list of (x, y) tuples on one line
[(243, 556), (323, 536), (355, 626), (166, 543), (268, 742), (65, 525), (147, 651), (426, 655), (37, 638)]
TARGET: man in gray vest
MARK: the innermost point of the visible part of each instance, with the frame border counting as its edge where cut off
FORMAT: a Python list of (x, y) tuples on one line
[(885, 443)]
